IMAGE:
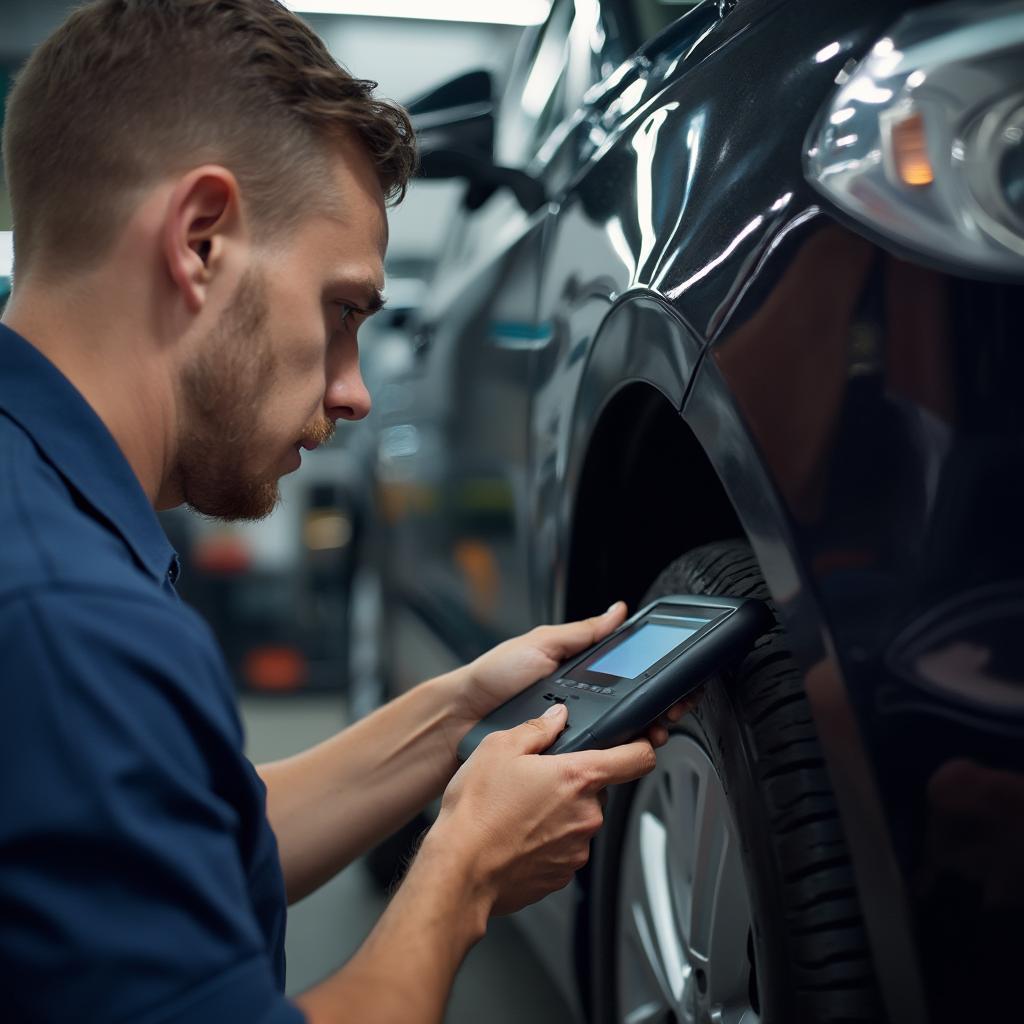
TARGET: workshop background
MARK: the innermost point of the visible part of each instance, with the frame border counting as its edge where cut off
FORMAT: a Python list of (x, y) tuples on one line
[(279, 593)]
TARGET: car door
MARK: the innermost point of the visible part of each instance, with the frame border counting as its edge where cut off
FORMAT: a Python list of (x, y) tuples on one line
[(453, 467)]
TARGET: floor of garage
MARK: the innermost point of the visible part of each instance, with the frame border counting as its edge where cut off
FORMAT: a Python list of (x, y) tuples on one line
[(501, 980)]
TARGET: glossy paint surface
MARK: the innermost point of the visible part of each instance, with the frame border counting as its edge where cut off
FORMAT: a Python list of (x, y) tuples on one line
[(861, 415)]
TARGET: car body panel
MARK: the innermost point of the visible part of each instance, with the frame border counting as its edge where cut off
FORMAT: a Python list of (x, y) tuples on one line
[(896, 508)]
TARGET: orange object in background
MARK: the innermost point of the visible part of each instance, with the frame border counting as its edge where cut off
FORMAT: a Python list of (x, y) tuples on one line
[(275, 669), (222, 554), (480, 570)]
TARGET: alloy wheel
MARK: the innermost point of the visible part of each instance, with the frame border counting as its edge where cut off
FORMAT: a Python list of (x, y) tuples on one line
[(683, 949)]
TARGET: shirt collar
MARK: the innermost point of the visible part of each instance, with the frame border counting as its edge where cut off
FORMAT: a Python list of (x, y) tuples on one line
[(49, 408)]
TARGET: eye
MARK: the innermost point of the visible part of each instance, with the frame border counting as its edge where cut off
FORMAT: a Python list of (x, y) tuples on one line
[(345, 313)]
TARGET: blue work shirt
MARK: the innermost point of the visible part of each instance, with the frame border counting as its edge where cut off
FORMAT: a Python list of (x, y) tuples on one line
[(139, 877)]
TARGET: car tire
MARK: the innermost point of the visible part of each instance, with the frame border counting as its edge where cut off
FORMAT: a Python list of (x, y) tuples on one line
[(762, 852)]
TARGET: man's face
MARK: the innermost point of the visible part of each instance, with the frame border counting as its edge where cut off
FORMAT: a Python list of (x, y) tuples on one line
[(282, 364)]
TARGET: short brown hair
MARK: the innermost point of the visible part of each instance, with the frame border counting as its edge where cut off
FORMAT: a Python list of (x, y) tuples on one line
[(126, 92)]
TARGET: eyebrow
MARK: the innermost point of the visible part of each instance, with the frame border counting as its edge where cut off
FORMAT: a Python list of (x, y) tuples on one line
[(373, 299)]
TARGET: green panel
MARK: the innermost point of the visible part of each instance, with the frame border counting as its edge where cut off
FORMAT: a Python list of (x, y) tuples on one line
[(6, 78)]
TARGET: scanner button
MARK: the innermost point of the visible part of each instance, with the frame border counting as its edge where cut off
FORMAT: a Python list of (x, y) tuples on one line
[(608, 690)]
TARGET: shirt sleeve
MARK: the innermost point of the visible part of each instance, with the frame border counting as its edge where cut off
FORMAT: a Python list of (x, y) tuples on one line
[(124, 810)]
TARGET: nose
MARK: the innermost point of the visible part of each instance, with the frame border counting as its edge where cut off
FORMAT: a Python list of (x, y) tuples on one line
[(346, 397)]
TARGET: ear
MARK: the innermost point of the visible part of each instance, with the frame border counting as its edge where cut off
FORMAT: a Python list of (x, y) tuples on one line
[(203, 218)]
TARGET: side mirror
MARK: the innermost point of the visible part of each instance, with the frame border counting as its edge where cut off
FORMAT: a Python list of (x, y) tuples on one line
[(456, 115), (454, 125), (484, 177)]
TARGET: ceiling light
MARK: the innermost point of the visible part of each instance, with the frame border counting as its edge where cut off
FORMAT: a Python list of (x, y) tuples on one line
[(512, 12)]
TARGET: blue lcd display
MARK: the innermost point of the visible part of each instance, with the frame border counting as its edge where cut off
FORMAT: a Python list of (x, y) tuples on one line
[(647, 646)]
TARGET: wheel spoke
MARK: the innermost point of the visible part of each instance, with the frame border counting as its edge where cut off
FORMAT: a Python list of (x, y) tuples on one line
[(734, 1015), (710, 845), (645, 945), (684, 910), (646, 1014), (716, 926), (729, 969), (655, 866)]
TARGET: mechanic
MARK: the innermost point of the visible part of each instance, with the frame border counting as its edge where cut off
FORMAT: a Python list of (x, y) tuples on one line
[(199, 197)]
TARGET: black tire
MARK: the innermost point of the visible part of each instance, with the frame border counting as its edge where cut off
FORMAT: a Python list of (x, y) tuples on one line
[(810, 958)]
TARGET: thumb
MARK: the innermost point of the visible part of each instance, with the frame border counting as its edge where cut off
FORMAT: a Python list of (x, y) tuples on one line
[(537, 734), (561, 642)]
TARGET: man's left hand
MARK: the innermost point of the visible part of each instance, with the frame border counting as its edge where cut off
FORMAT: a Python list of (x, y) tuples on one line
[(512, 666)]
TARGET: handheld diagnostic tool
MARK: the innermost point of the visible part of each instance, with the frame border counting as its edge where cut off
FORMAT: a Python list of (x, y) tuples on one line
[(622, 684)]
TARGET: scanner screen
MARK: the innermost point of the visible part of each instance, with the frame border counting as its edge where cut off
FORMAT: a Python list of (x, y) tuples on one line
[(648, 645)]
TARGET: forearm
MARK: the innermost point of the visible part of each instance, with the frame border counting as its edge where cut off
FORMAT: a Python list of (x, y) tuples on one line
[(404, 971), (333, 802)]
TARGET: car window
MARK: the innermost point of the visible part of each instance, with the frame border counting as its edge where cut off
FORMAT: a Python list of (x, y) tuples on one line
[(651, 16), (580, 43), (554, 67), (534, 89)]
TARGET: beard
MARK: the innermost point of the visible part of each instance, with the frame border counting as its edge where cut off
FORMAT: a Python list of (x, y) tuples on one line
[(219, 455)]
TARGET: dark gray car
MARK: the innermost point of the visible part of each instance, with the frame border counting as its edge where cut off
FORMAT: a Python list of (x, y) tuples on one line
[(741, 314)]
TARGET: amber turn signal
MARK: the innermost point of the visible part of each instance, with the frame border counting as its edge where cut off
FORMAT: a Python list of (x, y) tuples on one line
[(910, 151)]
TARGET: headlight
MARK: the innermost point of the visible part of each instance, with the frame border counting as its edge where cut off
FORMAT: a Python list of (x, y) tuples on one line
[(923, 140)]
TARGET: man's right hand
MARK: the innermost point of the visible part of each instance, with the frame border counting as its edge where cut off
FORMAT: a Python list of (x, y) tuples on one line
[(514, 826), (521, 824)]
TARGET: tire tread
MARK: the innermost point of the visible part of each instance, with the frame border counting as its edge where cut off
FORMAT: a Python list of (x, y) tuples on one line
[(829, 948)]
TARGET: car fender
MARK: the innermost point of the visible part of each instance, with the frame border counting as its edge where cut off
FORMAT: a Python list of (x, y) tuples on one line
[(640, 342), (719, 427)]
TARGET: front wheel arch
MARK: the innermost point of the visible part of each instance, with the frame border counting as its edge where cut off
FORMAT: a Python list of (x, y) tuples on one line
[(647, 492)]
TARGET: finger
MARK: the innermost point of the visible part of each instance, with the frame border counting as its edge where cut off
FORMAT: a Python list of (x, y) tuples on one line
[(658, 735), (685, 706), (537, 734), (561, 642), (613, 766)]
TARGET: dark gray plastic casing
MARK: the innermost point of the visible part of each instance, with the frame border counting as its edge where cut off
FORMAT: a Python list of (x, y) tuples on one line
[(603, 719)]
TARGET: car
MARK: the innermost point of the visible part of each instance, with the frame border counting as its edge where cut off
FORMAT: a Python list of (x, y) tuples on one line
[(733, 306)]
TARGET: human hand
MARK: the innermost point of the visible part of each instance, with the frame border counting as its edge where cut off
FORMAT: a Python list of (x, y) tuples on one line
[(521, 823), (509, 668)]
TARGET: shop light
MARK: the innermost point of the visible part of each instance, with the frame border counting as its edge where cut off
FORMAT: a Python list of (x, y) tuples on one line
[(6, 253), (512, 12)]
